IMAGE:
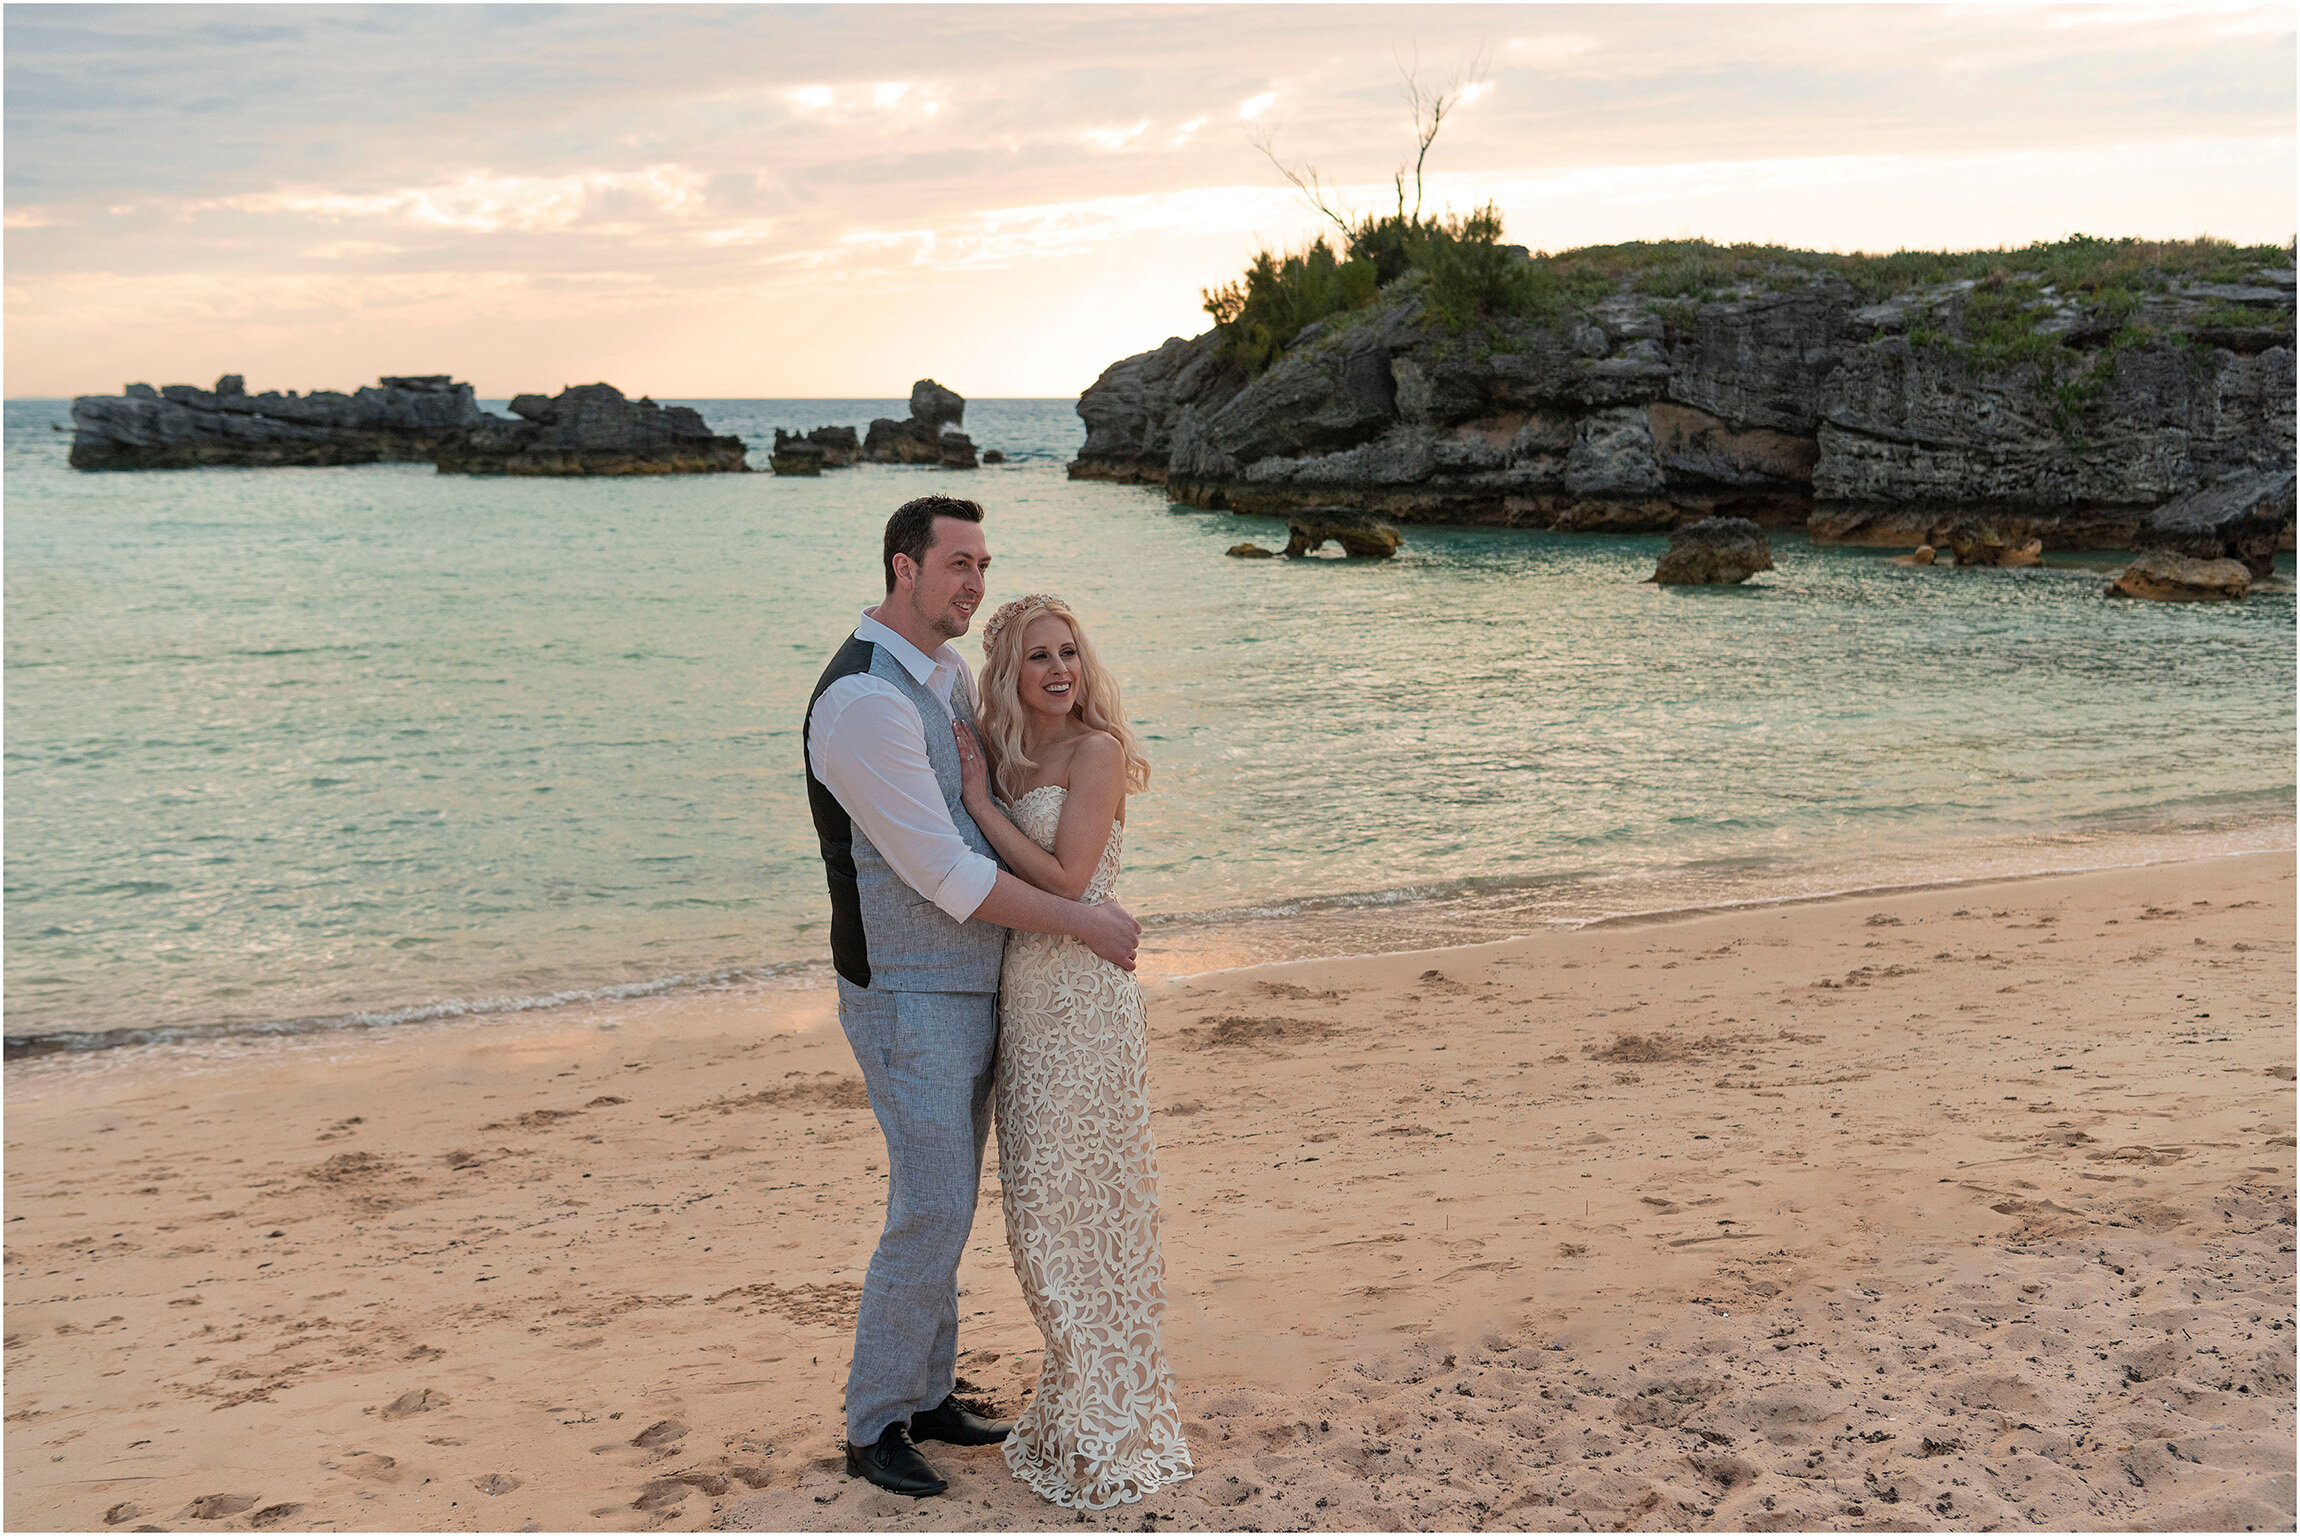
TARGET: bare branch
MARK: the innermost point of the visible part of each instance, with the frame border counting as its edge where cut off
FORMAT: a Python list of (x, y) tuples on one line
[(1430, 106), (1304, 178)]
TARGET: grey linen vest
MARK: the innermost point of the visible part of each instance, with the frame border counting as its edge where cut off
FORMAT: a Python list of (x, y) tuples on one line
[(884, 934)]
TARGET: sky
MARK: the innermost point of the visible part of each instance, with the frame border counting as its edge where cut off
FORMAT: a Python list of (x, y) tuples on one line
[(834, 200)]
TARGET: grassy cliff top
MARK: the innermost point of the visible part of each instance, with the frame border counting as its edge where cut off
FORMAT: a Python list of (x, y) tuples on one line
[(2078, 264), (1464, 274)]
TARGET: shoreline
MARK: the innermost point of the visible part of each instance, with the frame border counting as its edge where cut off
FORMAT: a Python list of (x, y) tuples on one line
[(2004, 1169), (1219, 931)]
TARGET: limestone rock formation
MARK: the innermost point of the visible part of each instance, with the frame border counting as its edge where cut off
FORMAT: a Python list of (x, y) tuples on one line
[(1359, 534), (590, 429), (1789, 400), (931, 405), (928, 436), (1714, 552), (840, 445), (1130, 412), (2166, 577), (182, 427), (796, 455), (1250, 551), (2244, 519), (1979, 542)]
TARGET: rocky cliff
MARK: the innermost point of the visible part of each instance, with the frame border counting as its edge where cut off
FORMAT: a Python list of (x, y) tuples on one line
[(590, 429), (1790, 399), (183, 427)]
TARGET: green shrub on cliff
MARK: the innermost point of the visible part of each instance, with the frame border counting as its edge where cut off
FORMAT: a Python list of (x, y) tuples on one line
[(1263, 311), (1470, 273)]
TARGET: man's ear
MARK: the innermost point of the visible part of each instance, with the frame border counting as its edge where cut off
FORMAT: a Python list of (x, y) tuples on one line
[(905, 567)]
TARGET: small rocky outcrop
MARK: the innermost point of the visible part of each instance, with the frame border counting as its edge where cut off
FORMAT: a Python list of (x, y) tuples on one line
[(929, 436), (1358, 533), (796, 455), (1714, 552), (841, 446), (591, 429), (1250, 551), (1984, 543), (2165, 577), (183, 427), (2239, 519), (1923, 554)]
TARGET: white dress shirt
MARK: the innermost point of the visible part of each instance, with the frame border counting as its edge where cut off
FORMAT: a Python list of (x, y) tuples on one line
[(868, 746)]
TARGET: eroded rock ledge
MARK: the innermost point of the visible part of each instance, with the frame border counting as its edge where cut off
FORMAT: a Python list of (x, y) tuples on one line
[(590, 429), (1795, 404), (183, 427)]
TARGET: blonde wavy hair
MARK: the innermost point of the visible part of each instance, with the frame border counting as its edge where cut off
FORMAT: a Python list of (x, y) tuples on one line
[(1001, 713)]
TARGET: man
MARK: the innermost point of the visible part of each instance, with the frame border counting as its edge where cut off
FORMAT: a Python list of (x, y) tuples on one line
[(919, 914)]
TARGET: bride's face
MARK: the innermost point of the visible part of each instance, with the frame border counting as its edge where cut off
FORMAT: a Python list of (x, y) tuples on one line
[(1048, 678)]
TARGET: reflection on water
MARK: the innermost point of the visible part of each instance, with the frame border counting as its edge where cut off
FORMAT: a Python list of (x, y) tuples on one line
[(293, 745)]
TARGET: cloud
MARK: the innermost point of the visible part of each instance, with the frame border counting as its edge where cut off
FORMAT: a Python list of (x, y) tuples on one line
[(492, 161), (1115, 138), (488, 204)]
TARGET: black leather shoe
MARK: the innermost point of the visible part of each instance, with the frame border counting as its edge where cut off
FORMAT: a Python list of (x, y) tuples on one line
[(955, 1422), (895, 1465)]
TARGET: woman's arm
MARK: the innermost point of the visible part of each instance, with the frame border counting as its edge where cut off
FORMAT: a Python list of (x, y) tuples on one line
[(1097, 791)]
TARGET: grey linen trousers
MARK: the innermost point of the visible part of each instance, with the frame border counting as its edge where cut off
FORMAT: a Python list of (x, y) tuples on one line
[(927, 1059)]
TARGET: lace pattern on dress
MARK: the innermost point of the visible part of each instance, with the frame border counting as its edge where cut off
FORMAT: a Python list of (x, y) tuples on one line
[(1079, 1172)]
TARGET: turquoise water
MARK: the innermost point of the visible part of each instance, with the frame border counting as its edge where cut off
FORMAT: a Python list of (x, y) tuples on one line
[(286, 746)]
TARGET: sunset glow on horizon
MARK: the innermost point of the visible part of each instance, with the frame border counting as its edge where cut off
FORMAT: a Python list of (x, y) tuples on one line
[(700, 202)]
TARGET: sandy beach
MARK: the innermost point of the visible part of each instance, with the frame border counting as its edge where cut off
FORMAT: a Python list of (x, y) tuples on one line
[(1961, 1208)]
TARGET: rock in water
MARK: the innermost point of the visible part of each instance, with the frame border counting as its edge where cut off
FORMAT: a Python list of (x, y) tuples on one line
[(182, 427), (590, 429), (1251, 552), (1980, 543), (2240, 519), (840, 446), (2165, 577), (993, 456), (1714, 552), (796, 455), (1359, 534), (1921, 555), (933, 406), (930, 436)]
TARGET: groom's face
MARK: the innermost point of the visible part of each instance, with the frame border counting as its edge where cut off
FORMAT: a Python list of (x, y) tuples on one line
[(947, 586)]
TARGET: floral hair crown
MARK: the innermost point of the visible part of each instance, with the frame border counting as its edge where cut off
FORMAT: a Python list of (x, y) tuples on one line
[(1010, 611)]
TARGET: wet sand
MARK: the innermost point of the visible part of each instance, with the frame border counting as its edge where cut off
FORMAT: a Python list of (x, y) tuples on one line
[(1945, 1209)]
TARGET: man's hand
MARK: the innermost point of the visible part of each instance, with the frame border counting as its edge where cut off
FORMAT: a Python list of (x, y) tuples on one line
[(973, 772), (1110, 932)]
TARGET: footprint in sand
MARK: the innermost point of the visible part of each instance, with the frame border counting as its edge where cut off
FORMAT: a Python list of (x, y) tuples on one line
[(215, 1506), (407, 1404)]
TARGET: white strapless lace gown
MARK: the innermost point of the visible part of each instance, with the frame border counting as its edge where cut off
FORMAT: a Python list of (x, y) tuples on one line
[(1079, 1169)]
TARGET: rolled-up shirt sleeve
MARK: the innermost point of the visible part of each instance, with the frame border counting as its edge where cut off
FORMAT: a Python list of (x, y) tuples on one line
[(870, 753)]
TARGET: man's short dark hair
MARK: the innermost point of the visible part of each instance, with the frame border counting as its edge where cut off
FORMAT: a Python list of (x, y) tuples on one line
[(911, 530)]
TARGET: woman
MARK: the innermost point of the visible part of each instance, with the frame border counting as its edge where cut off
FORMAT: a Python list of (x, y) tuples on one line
[(1075, 1153)]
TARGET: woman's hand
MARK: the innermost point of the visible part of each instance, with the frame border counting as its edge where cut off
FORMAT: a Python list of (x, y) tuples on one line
[(973, 772)]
